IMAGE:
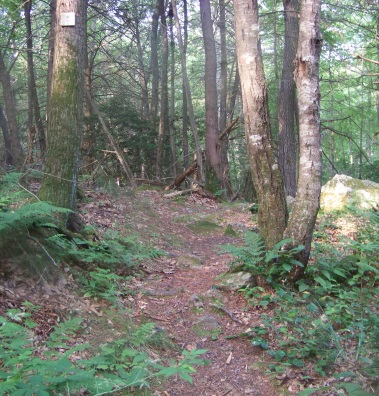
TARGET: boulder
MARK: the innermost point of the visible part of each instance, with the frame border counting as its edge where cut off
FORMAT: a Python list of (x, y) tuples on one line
[(234, 281), (344, 190)]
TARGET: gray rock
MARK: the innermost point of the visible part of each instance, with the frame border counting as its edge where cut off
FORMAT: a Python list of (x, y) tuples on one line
[(188, 261), (234, 281), (343, 190)]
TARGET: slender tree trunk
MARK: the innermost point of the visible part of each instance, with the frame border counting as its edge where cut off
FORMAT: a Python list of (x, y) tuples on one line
[(233, 96), (50, 61), (212, 142), (163, 119), (272, 213), (287, 99), (185, 107), (304, 212), (142, 72), (154, 67), (174, 167), (224, 143), (66, 108), (7, 143), (16, 156), (34, 108), (191, 115)]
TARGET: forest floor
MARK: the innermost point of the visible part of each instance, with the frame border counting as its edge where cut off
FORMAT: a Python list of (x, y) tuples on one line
[(177, 291)]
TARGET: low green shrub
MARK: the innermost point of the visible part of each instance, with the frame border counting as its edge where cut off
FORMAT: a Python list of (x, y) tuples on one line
[(61, 367)]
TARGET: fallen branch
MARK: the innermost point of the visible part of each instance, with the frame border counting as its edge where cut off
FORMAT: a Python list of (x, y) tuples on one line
[(183, 192), (226, 310), (180, 179)]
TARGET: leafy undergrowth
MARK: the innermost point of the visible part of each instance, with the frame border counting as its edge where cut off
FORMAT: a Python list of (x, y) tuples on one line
[(63, 354), (326, 332), (319, 338)]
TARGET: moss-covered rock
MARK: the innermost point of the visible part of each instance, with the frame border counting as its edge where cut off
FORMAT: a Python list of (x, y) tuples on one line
[(344, 190), (188, 261)]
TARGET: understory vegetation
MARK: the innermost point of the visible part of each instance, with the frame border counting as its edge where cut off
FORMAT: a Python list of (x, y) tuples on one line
[(55, 363), (329, 324)]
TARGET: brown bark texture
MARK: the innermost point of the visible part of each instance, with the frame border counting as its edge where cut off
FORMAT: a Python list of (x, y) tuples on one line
[(212, 143), (304, 212), (287, 99), (16, 155), (265, 169), (163, 118), (65, 108)]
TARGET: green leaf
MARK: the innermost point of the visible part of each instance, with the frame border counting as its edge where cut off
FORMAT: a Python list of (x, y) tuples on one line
[(297, 362), (186, 377)]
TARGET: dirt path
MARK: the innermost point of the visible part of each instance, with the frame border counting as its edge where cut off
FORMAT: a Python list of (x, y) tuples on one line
[(180, 295)]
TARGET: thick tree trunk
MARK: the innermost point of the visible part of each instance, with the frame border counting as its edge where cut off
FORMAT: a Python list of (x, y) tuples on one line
[(287, 100), (272, 213), (304, 212), (16, 156), (66, 108)]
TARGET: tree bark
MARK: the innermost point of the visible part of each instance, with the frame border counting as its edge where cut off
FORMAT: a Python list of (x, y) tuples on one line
[(272, 213), (163, 119), (287, 100), (7, 143), (185, 107), (34, 108), (191, 115), (212, 143), (224, 143), (174, 166), (16, 155), (66, 108), (304, 212)]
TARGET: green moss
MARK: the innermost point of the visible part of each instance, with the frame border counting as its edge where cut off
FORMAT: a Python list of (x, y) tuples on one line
[(204, 227), (229, 231)]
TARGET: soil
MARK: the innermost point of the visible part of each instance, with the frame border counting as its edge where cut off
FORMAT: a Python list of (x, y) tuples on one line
[(177, 291)]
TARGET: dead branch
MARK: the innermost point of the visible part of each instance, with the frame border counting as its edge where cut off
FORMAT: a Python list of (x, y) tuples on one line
[(229, 128), (183, 192), (118, 152), (180, 179)]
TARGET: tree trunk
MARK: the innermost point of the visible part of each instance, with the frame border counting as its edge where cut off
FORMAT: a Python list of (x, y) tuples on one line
[(224, 142), (304, 212), (287, 100), (191, 115), (185, 107), (34, 108), (7, 143), (212, 143), (163, 119), (174, 166), (66, 108), (154, 67), (272, 213), (16, 155)]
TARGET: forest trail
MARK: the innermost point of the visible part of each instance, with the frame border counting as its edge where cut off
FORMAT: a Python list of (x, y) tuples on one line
[(178, 292)]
